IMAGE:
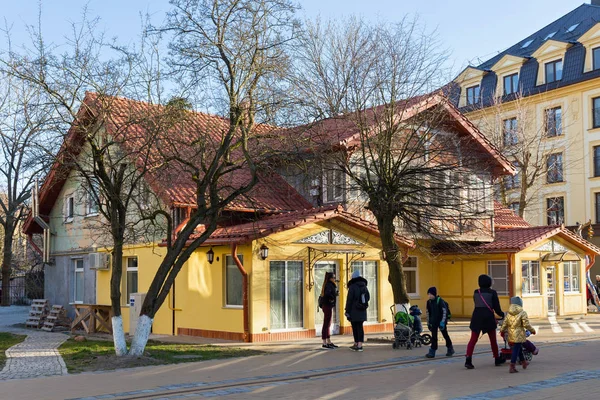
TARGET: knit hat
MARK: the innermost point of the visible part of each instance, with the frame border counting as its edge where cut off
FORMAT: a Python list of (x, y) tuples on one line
[(516, 300), (355, 274), (432, 290), (485, 281)]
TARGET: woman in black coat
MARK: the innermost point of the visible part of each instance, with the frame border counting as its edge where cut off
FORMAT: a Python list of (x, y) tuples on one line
[(487, 305), (329, 293), (356, 308)]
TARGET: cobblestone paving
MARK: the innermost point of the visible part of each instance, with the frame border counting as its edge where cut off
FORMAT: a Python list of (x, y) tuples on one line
[(37, 355)]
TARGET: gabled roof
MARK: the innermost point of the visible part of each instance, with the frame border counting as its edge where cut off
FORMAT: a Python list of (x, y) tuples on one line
[(567, 30), (343, 131), (518, 239), (172, 184), (268, 225), (505, 218)]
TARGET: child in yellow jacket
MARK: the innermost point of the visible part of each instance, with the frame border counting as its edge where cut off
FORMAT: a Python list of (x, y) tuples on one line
[(515, 323)]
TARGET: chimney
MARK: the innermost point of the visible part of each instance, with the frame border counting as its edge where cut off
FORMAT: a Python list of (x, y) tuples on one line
[(595, 2)]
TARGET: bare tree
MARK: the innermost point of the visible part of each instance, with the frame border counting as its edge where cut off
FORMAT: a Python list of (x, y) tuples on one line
[(24, 120), (233, 49), (396, 143), (82, 85), (539, 152)]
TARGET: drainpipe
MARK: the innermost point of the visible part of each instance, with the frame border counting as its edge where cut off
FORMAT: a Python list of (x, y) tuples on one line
[(511, 277), (244, 292)]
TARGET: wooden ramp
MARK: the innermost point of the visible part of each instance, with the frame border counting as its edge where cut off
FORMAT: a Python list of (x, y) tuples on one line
[(57, 317), (37, 313)]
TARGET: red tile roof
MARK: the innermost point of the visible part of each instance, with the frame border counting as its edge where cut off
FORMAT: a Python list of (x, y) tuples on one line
[(245, 233), (126, 120), (505, 218), (343, 131), (517, 239)]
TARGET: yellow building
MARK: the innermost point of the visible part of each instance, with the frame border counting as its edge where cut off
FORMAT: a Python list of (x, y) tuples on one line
[(544, 93), (285, 258)]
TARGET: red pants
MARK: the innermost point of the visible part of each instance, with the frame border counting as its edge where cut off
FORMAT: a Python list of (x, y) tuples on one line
[(327, 311), (475, 338)]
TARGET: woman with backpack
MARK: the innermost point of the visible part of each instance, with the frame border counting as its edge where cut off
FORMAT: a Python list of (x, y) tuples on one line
[(327, 301), (357, 303), (483, 319)]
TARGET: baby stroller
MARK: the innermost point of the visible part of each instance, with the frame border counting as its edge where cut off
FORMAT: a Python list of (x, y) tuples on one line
[(506, 351), (408, 328)]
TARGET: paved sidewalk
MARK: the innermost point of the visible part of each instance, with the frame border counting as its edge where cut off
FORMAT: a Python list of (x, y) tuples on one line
[(37, 355)]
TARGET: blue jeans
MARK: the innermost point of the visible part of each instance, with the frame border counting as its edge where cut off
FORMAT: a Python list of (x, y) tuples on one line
[(517, 353)]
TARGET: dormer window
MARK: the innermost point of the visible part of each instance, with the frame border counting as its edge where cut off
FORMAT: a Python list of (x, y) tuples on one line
[(572, 28), (554, 71), (550, 35), (596, 58), (473, 94), (511, 84), (527, 43)]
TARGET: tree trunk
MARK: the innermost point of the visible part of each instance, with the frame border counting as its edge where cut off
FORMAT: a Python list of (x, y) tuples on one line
[(115, 300), (393, 258), (7, 256), (150, 306)]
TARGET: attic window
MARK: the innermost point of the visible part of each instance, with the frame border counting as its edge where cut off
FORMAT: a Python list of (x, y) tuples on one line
[(550, 35), (572, 28), (527, 43)]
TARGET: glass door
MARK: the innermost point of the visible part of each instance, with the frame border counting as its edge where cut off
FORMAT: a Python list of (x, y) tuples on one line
[(551, 290), (319, 270), (286, 288)]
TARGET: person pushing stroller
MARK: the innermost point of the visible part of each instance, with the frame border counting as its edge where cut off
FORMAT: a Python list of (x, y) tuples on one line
[(515, 323)]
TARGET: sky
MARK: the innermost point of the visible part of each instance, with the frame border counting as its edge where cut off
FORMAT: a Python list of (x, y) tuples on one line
[(473, 31)]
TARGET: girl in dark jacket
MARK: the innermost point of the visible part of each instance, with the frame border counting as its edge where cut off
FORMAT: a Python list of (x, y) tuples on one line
[(483, 320), (328, 294), (355, 313)]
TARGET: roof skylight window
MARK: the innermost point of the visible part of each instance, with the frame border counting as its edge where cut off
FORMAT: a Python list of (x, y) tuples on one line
[(550, 35), (527, 43), (572, 28)]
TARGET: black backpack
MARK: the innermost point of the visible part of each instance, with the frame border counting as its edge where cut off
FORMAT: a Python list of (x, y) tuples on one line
[(362, 303), (448, 312)]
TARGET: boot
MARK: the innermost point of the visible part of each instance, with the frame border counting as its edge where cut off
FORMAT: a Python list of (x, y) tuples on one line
[(431, 353), (469, 363), (499, 361), (450, 351), (512, 368), (524, 364)]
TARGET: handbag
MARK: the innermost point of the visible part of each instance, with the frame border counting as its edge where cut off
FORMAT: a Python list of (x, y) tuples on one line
[(488, 306)]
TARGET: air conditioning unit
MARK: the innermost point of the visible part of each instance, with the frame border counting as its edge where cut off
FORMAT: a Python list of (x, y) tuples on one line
[(99, 260)]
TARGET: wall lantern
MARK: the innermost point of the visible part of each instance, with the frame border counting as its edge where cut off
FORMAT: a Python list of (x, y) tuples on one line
[(264, 252), (210, 256)]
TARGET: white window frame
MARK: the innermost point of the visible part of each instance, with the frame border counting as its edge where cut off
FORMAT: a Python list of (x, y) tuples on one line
[(78, 270), (92, 207), (225, 303), (374, 296), (125, 299), (69, 208), (416, 270), (530, 276), (336, 185), (286, 329), (568, 268), (499, 263)]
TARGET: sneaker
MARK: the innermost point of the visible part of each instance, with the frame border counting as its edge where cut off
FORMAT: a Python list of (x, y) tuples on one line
[(359, 349), (326, 346), (354, 348), (333, 346), (450, 352)]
